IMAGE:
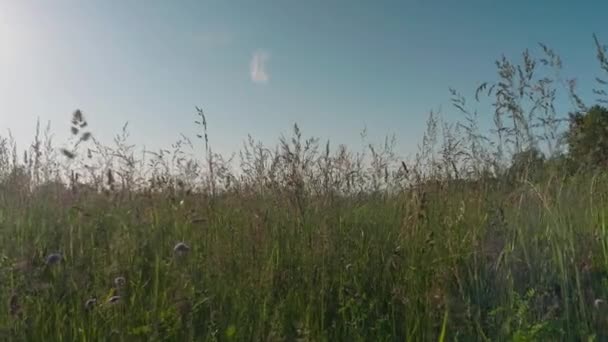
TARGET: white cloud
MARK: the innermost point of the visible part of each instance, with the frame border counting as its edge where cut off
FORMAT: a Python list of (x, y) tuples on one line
[(257, 67)]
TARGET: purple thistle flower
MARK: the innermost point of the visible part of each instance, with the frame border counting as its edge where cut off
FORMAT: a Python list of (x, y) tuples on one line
[(120, 282), (53, 258), (90, 303), (114, 300), (181, 248)]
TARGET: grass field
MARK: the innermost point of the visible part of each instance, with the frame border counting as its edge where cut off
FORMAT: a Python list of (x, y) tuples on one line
[(453, 260), (304, 241)]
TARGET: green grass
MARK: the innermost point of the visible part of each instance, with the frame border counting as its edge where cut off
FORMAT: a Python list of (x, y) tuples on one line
[(486, 235), (517, 263)]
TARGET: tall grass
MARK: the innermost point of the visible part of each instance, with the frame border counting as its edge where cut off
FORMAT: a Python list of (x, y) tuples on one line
[(303, 241)]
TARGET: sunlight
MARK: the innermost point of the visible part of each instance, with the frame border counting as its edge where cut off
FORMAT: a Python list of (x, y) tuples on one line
[(19, 31), (10, 34)]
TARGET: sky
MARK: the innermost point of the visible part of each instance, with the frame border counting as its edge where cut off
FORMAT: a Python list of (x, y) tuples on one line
[(257, 67)]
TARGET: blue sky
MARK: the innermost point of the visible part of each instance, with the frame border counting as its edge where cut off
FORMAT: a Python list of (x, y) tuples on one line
[(334, 67)]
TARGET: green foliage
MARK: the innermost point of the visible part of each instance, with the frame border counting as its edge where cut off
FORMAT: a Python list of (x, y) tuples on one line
[(469, 261), (528, 165), (588, 137)]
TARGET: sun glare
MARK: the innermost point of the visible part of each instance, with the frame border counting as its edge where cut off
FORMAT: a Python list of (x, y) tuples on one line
[(8, 34), (15, 32)]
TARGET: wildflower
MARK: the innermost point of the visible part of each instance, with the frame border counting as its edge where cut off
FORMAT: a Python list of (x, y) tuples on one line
[(90, 303), (120, 282), (53, 258), (114, 300), (14, 308), (181, 248)]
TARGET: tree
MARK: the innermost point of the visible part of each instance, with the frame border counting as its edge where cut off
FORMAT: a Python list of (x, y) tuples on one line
[(587, 137), (528, 164)]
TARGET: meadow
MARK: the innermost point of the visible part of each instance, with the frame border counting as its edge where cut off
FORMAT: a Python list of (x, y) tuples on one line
[(307, 241)]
